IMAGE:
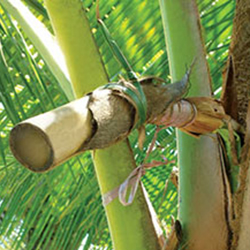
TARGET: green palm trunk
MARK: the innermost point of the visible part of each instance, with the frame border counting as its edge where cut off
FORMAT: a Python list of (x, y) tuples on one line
[(202, 208), (131, 227)]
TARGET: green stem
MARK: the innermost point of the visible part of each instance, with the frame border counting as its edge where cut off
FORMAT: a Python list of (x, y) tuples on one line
[(202, 207), (43, 41), (131, 227), (75, 39)]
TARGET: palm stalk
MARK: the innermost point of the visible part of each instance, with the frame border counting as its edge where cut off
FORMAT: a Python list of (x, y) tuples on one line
[(43, 41), (131, 227), (203, 209)]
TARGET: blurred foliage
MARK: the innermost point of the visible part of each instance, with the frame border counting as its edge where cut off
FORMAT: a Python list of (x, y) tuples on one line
[(59, 209)]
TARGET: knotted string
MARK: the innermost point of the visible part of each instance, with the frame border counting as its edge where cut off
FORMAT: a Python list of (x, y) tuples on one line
[(132, 181)]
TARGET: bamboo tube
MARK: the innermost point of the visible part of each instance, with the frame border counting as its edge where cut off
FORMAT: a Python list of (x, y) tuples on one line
[(103, 118), (95, 121), (42, 142)]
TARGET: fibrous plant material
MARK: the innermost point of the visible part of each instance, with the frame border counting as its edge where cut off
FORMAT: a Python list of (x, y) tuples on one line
[(196, 116), (175, 237), (237, 79), (235, 99), (242, 213)]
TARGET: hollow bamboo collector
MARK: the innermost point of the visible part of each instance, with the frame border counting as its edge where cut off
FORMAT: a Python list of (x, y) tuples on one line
[(105, 117), (46, 140), (95, 121)]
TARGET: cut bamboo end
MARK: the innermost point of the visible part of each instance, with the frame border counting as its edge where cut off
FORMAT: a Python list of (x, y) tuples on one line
[(32, 147), (47, 140)]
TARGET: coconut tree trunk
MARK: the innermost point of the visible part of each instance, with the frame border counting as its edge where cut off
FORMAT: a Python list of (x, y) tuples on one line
[(236, 101), (203, 190), (131, 227)]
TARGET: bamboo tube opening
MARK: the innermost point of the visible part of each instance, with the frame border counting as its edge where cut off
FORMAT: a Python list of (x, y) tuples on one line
[(31, 147), (47, 140)]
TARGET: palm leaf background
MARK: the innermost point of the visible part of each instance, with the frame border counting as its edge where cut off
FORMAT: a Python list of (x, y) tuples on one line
[(59, 209)]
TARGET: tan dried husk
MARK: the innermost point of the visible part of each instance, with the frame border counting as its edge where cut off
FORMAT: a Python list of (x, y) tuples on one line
[(174, 177), (241, 197), (174, 238), (235, 96), (194, 115), (210, 115)]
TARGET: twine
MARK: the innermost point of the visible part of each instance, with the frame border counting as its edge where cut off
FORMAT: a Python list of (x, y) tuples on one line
[(131, 182)]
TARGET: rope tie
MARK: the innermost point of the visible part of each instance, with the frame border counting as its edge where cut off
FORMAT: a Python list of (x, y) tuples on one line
[(132, 183)]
